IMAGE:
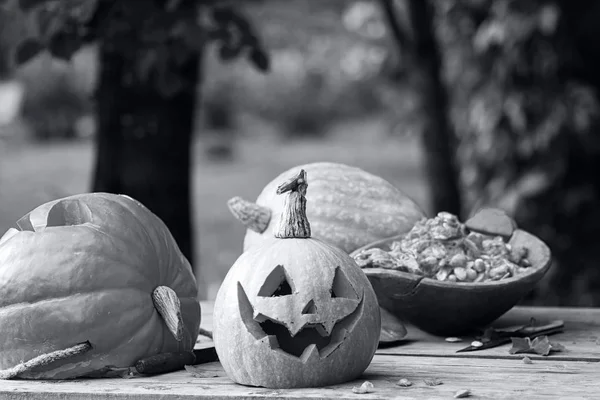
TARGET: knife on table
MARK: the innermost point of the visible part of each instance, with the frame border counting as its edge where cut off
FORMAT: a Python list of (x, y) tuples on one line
[(500, 337), (159, 364), (170, 362)]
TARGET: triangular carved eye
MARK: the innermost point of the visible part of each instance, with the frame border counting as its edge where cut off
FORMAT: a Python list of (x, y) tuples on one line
[(341, 286), (277, 284)]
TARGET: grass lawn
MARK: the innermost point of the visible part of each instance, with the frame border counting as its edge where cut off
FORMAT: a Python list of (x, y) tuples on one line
[(31, 174)]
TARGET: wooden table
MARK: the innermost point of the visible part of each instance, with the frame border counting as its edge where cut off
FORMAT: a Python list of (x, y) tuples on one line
[(489, 374)]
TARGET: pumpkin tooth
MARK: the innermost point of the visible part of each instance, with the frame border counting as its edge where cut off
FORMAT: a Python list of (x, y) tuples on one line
[(311, 352), (327, 326), (321, 330), (252, 215), (337, 338), (168, 306)]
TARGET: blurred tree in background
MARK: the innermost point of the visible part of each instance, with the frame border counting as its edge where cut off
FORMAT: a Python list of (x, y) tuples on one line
[(150, 55), (416, 40)]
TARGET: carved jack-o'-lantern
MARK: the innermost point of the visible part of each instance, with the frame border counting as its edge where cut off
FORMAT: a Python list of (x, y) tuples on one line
[(296, 311)]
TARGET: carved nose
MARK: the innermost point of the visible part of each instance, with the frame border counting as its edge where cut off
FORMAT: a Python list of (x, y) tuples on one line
[(309, 308)]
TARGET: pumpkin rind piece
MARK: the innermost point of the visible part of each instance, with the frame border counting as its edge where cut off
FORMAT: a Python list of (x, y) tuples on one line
[(91, 281)]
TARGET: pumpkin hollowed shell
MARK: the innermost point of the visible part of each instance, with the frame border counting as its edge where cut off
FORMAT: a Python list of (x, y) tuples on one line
[(346, 207), (453, 308), (85, 268), (324, 331), (297, 311)]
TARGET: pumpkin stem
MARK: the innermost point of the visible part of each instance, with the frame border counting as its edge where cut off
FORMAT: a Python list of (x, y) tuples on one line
[(250, 214), (293, 222), (45, 359), (168, 306)]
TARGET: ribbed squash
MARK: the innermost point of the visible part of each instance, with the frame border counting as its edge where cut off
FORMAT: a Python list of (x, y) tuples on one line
[(297, 311), (346, 206), (97, 275)]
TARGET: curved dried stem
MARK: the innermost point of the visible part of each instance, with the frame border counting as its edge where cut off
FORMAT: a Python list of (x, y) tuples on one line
[(45, 359), (250, 214), (293, 222)]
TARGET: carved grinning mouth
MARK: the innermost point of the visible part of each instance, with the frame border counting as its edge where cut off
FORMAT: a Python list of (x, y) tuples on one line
[(303, 343)]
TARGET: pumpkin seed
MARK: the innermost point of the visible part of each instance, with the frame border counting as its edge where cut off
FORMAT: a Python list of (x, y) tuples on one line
[(462, 393), (461, 273), (446, 216), (442, 274), (459, 260), (471, 275), (479, 265), (453, 339), (404, 382), (366, 387)]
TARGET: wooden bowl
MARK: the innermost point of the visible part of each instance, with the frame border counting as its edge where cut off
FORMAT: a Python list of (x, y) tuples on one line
[(452, 308)]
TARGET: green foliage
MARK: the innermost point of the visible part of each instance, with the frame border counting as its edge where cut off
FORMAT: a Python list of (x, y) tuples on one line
[(170, 32), (526, 128)]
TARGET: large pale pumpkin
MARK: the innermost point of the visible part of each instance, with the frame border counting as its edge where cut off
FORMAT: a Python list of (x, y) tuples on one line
[(346, 206), (99, 269), (296, 311)]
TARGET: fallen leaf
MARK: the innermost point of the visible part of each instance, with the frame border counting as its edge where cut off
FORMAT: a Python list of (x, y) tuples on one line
[(404, 382), (433, 382), (519, 345), (539, 345), (366, 387), (198, 373), (527, 360), (462, 394)]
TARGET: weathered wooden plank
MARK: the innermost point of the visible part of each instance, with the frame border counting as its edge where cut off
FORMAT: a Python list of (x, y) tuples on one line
[(581, 335), (486, 378)]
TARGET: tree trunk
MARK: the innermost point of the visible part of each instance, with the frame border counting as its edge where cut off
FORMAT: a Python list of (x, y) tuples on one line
[(438, 139), (144, 140)]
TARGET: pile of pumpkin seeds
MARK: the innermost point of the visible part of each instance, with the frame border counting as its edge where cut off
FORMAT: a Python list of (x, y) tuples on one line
[(443, 248)]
